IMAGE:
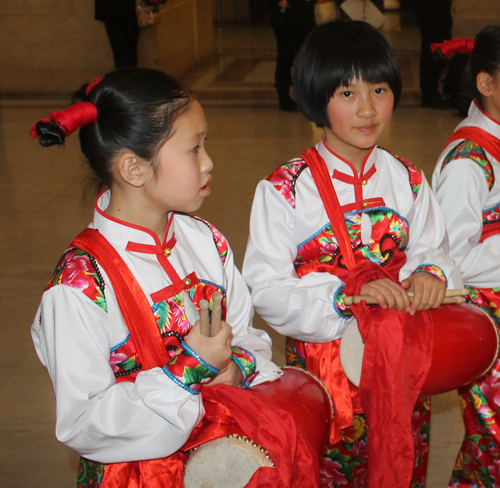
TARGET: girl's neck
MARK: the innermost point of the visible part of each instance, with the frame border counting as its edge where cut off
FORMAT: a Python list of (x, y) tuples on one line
[(355, 156), (137, 211), (491, 110)]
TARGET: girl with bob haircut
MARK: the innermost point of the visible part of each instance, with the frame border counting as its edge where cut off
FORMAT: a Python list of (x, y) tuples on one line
[(118, 327), (466, 181), (350, 218)]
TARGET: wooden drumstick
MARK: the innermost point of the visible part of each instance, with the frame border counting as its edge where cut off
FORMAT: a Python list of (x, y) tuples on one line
[(204, 318), (216, 313), (452, 296)]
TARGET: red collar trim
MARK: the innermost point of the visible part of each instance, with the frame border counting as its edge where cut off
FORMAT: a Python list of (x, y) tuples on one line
[(354, 170), (130, 225)]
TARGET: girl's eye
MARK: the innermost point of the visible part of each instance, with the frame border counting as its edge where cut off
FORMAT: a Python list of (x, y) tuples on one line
[(346, 94), (195, 149), (378, 91)]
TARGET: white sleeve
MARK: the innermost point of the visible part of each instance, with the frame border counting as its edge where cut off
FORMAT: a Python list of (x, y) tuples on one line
[(300, 308), (462, 191), (428, 242), (239, 316), (100, 419)]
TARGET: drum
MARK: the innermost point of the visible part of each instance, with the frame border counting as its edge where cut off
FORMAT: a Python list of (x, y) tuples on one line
[(231, 461), (465, 347)]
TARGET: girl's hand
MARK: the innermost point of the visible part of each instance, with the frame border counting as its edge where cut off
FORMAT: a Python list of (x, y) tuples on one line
[(232, 375), (215, 350), (388, 294), (428, 291)]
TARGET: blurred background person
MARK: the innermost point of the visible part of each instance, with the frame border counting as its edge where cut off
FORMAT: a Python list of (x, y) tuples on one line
[(120, 21), (292, 20)]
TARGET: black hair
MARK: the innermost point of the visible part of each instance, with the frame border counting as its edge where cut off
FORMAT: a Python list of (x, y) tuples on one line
[(136, 111), (485, 58), (332, 56)]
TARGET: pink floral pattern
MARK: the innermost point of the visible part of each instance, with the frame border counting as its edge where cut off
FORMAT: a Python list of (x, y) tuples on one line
[(77, 270), (415, 175), (219, 239), (282, 179)]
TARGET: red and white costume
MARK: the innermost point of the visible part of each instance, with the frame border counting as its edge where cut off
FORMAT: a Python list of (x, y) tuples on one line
[(468, 189), (81, 338), (296, 273)]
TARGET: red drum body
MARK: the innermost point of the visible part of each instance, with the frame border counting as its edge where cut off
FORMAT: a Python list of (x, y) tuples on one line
[(465, 347), (302, 395), (231, 461)]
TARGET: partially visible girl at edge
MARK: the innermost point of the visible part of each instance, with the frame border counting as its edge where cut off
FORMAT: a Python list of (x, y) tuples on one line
[(347, 81), (467, 185), (144, 137)]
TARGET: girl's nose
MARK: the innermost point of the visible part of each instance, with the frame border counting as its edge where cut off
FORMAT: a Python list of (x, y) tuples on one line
[(207, 164), (366, 108)]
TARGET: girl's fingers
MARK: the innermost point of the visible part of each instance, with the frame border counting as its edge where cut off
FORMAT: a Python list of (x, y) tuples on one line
[(397, 296)]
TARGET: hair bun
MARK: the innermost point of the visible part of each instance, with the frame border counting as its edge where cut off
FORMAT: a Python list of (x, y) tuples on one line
[(48, 132)]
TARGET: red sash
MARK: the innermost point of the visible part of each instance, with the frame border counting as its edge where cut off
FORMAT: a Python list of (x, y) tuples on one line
[(396, 358), (228, 410), (492, 145), (484, 139)]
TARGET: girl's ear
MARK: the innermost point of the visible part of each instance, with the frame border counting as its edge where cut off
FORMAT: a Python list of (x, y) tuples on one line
[(485, 84), (132, 169)]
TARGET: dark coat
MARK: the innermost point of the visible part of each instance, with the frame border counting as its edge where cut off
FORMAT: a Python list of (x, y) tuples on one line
[(298, 15), (112, 9)]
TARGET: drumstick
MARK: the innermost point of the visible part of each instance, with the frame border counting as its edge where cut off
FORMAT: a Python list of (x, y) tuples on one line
[(216, 313), (204, 318), (372, 301)]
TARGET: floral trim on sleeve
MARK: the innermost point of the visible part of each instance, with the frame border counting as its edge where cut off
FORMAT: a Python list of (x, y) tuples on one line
[(79, 270), (340, 307), (284, 177), (188, 370), (415, 175), (219, 239), (433, 270), (474, 152), (245, 360)]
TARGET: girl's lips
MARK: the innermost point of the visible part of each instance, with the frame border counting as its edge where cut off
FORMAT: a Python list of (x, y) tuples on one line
[(205, 191), (367, 128)]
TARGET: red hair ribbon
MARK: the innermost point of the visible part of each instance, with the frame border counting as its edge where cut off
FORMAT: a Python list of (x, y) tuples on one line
[(72, 118), (95, 82), (447, 48)]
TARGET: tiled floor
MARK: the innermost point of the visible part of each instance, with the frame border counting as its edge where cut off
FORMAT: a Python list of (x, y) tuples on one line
[(42, 208)]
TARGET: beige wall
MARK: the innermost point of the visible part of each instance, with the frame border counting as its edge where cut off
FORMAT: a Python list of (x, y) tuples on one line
[(184, 35), (470, 16), (54, 46)]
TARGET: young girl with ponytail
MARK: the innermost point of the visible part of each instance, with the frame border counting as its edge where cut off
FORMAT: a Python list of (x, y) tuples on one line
[(466, 181), (118, 326)]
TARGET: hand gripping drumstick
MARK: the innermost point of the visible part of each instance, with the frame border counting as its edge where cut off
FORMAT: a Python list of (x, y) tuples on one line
[(452, 296)]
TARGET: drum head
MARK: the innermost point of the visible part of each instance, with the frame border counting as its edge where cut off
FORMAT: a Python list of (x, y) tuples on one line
[(351, 352), (224, 463)]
